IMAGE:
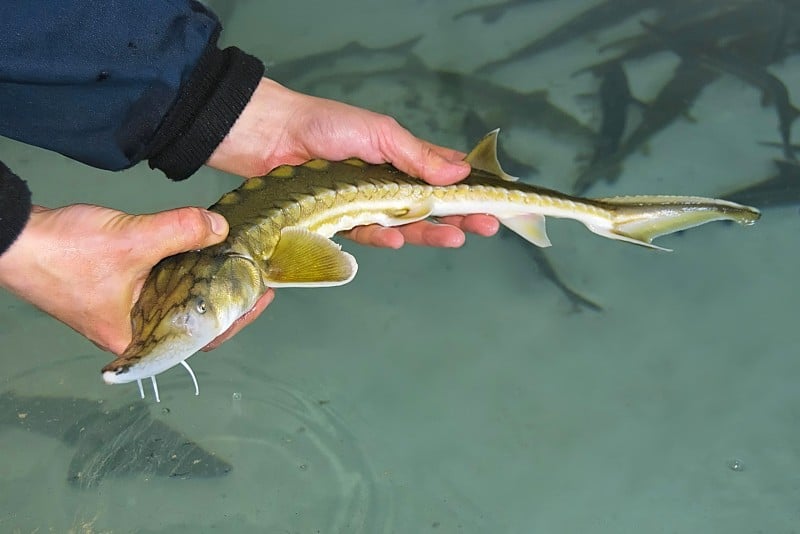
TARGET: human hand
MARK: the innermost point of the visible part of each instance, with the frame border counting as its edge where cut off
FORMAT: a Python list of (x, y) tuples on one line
[(85, 265), (280, 126)]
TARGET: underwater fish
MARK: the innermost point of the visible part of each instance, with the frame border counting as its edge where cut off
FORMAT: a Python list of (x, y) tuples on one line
[(548, 270), (453, 94), (600, 16), (615, 99), (700, 22), (352, 54), (441, 99), (672, 101), (492, 12), (281, 225), (118, 442), (678, 94), (773, 90), (781, 189)]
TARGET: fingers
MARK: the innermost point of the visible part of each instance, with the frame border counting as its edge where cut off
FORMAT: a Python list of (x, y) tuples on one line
[(480, 224), (425, 233), (242, 321), (376, 236), (181, 230), (435, 164), (442, 165)]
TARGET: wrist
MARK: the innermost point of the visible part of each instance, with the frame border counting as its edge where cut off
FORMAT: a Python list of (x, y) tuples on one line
[(253, 145), (219, 88), (16, 263)]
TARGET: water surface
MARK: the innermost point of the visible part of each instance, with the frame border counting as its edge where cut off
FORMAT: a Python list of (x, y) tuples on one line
[(459, 390)]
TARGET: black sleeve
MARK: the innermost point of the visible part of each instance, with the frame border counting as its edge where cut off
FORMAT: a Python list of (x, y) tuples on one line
[(208, 104), (15, 206), (114, 82)]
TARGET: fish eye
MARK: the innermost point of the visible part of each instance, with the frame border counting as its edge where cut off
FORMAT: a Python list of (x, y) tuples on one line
[(200, 305)]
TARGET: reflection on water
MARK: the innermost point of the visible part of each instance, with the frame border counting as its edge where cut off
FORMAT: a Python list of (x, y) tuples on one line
[(305, 469), (322, 479), (125, 441), (459, 391)]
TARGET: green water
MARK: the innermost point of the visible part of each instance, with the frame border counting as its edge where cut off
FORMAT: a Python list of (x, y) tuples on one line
[(455, 391)]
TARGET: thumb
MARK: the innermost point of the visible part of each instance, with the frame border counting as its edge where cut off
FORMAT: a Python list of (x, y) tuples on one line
[(435, 164), (182, 229), (441, 166)]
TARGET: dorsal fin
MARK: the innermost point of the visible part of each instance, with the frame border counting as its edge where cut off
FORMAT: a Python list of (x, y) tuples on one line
[(484, 157)]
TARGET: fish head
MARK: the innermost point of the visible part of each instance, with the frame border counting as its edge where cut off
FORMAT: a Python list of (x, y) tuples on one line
[(187, 301)]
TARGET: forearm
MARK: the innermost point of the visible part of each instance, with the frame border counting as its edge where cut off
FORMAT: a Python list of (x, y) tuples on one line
[(113, 83)]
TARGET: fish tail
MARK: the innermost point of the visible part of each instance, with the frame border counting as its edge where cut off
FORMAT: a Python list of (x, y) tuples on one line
[(640, 219)]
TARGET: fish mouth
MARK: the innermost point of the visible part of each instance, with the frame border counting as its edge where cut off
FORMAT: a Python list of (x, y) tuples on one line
[(132, 368), (140, 362), (118, 371), (147, 359), (113, 377)]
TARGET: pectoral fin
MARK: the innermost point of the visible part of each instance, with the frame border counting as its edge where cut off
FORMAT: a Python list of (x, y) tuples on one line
[(306, 259)]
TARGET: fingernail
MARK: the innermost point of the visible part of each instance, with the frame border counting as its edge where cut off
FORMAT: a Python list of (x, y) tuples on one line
[(463, 167), (218, 223), (462, 164)]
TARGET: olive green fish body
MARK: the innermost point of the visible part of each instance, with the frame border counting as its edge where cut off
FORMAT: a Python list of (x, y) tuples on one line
[(281, 225)]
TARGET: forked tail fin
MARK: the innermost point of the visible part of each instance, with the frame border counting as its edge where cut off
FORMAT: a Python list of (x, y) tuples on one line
[(640, 219)]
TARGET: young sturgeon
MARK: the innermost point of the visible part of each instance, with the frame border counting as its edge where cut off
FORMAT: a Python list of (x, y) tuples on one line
[(281, 225)]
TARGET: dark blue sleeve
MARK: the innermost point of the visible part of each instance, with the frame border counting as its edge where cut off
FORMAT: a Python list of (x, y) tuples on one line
[(113, 82)]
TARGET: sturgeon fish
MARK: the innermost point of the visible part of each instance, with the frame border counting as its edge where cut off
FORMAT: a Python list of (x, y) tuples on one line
[(281, 225)]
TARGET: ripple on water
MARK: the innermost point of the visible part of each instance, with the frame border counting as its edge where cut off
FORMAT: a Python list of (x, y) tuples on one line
[(297, 465)]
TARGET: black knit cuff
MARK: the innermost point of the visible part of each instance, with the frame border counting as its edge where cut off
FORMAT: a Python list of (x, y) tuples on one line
[(15, 206), (217, 91)]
